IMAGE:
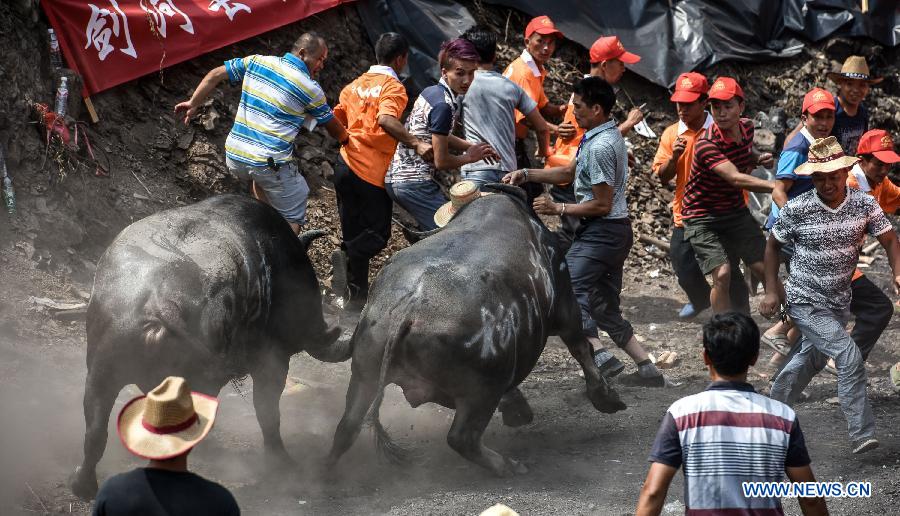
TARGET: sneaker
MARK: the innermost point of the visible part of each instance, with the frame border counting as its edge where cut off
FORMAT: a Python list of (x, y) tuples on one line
[(688, 312), (608, 364), (339, 273), (864, 445)]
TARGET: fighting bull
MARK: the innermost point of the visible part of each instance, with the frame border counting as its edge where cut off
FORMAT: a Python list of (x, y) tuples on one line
[(460, 319), (210, 292)]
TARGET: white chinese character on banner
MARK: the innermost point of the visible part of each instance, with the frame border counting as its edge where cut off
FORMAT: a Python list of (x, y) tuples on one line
[(160, 9), (231, 7), (103, 26)]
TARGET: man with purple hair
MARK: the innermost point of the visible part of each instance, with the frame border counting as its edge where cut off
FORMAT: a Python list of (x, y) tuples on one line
[(410, 178)]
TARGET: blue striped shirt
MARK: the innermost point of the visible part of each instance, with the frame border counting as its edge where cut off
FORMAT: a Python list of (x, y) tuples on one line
[(277, 94), (726, 435)]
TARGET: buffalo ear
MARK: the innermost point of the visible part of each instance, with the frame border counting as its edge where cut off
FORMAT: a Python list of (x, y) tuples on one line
[(307, 237)]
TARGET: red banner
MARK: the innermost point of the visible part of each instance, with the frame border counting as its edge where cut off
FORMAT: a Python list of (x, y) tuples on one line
[(109, 42)]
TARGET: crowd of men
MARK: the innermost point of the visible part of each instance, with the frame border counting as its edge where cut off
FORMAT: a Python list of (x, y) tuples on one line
[(477, 120)]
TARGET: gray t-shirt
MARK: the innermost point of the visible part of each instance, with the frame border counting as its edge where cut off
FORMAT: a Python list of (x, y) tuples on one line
[(489, 116), (826, 245), (603, 158)]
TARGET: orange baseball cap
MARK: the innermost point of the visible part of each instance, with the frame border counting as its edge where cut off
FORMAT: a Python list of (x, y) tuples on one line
[(610, 47), (879, 143), (816, 100), (725, 88), (542, 25), (689, 87)]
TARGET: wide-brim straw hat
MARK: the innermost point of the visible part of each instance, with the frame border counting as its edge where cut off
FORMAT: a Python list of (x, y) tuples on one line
[(825, 155), (499, 510), (167, 422), (854, 67), (461, 194)]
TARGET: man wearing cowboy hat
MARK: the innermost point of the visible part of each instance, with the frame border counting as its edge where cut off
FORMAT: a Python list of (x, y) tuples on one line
[(852, 116), (817, 293), (163, 427)]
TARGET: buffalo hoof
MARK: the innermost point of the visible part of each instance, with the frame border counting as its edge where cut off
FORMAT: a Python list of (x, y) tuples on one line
[(84, 485), (516, 413), (608, 404), (515, 409), (510, 468), (280, 461)]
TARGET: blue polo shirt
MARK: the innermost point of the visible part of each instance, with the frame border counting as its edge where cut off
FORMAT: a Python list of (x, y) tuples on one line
[(602, 158)]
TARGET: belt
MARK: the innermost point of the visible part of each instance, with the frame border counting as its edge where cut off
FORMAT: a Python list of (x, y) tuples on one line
[(588, 220)]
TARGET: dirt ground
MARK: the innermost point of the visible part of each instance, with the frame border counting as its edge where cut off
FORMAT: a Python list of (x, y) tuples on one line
[(580, 461)]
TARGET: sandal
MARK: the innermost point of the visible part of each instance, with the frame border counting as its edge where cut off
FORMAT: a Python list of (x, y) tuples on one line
[(779, 343)]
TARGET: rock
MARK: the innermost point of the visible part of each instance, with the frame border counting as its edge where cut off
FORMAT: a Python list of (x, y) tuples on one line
[(184, 141), (327, 170), (764, 140)]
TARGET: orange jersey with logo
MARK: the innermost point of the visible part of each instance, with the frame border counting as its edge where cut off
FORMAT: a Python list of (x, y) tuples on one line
[(370, 149), (564, 151), (886, 193), (888, 196), (523, 74), (682, 166)]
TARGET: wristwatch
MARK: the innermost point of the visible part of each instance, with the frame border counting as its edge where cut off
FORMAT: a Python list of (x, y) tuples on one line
[(525, 173)]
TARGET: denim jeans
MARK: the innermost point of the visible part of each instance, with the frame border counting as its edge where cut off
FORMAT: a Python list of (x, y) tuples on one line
[(824, 336), (286, 190), (421, 199), (483, 177)]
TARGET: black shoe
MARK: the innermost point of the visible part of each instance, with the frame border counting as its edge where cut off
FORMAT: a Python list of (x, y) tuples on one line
[(339, 273), (608, 364), (864, 445)]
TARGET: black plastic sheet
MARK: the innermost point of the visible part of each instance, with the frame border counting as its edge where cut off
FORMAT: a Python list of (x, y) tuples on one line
[(425, 23), (671, 36)]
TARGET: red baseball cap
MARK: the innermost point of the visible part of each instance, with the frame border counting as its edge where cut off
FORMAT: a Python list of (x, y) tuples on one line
[(879, 143), (725, 88), (542, 25), (689, 87), (816, 100), (610, 47)]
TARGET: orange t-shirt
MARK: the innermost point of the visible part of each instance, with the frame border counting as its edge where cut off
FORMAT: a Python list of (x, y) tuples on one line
[(525, 72), (887, 194), (564, 151), (683, 165), (370, 149)]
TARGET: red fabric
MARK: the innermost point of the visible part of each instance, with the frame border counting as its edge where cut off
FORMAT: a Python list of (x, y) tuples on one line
[(739, 419), (109, 42), (171, 429)]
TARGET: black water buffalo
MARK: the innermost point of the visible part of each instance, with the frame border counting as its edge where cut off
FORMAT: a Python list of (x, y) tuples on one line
[(460, 319), (211, 292)]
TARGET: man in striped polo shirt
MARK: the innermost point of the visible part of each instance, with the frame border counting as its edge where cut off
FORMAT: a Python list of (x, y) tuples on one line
[(716, 219), (727, 435), (278, 96)]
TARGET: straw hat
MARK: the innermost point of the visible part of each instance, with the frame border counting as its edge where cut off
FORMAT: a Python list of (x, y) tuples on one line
[(167, 422), (461, 194), (499, 510), (854, 67), (825, 155)]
